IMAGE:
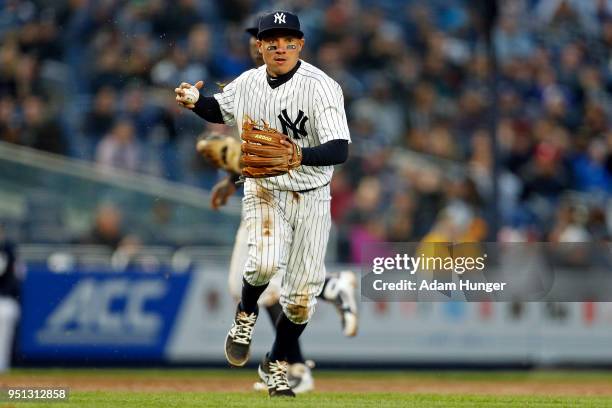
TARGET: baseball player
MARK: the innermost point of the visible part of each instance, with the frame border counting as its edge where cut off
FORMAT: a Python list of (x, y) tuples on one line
[(223, 152), (287, 196), (9, 293)]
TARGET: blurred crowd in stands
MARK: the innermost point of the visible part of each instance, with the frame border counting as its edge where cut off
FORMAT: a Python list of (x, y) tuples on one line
[(94, 80)]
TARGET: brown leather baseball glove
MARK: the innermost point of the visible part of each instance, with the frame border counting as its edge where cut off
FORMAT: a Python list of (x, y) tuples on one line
[(221, 150), (264, 154)]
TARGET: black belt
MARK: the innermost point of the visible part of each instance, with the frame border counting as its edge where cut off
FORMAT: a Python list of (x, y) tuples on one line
[(311, 189), (242, 179)]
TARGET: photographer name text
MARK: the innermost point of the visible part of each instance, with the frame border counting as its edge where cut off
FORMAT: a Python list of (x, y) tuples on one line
[(435, 285)]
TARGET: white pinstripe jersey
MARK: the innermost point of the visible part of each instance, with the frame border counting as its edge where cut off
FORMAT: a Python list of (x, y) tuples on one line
[(309, 108)]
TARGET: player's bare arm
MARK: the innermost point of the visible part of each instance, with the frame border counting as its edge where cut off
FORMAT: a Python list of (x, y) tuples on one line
[(221, 192)]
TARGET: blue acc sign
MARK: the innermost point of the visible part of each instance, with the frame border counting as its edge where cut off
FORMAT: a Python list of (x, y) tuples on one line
[(103, 315)]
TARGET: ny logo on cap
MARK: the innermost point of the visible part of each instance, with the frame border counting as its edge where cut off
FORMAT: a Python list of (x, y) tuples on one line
[(279, 18)]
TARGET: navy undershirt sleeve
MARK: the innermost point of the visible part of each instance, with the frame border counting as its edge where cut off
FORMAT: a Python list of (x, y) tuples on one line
[(328, 154), (208, 109)]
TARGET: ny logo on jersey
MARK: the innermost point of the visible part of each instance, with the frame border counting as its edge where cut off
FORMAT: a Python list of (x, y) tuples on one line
[(298, 126), (279, 18)]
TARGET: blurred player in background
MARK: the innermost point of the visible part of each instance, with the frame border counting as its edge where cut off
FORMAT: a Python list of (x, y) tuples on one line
[(224, 151), (9, 294)]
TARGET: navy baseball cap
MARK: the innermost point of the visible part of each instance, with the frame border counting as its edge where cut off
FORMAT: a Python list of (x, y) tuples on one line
[(279, 21)]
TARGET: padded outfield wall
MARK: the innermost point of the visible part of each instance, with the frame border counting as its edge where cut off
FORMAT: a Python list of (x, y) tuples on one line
[(88, 316)]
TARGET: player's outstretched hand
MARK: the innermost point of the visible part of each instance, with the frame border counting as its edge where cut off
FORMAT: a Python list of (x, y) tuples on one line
[(187, 95), (221, 192)]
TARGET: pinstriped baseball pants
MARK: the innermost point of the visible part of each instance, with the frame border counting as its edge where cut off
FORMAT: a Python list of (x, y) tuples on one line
[(287, 236)]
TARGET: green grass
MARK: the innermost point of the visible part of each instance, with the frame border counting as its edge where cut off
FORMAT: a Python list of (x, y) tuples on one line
[(251, 400)]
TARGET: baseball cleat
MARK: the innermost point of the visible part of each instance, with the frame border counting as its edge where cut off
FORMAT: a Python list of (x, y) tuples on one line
[(274, 375), (238, 340), (300, 378), (346, 303)]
